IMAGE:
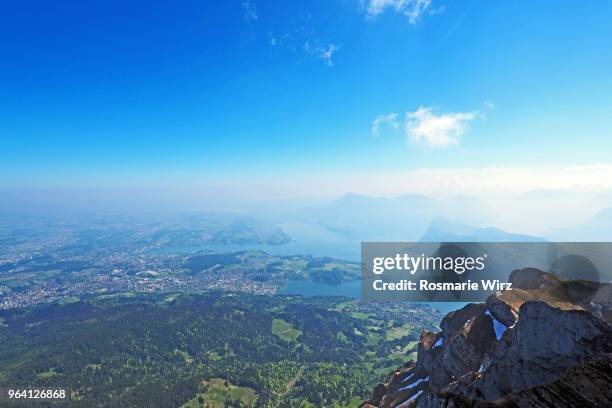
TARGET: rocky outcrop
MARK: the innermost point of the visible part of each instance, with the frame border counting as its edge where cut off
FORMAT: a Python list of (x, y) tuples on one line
[(533, 279), (458, 353), (454, 321), (535, 346), (544, 342), (585, 386), (402, 385)]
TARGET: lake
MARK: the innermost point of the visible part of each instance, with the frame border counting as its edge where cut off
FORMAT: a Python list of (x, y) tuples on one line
[(306, 239), (315, 240), (350, 289)]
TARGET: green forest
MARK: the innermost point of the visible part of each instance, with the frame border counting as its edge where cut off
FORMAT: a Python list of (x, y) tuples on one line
[(206, 349)]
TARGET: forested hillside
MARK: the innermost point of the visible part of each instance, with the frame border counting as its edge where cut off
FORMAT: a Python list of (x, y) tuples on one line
[(241, 350)]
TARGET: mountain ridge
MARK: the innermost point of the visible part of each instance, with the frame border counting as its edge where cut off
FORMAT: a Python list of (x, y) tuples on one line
[(441, 229), (538, 345)]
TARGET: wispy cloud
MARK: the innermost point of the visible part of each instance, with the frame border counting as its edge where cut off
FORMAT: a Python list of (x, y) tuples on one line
[(301, 38), (389, 119), (327, 54), (437, 131), (250, 10), (413, 9)]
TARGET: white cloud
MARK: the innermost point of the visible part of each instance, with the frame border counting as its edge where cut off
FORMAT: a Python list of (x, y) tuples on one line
[(418, 7), (328, 53), (437, 131), (436, 11), (388, 119), (375, 7), (413, 9), (305, 39), (250, 10), (324, 53)]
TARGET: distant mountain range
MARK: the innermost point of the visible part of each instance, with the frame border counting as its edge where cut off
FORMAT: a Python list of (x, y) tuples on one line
[(401, 218), (420, 218), (443, 230), (597, 228)]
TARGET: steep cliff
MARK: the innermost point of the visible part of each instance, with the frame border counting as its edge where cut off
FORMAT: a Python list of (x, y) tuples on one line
[(547, 342)]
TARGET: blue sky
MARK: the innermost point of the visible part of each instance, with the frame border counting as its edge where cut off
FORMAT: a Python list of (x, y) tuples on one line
[(250, 92)]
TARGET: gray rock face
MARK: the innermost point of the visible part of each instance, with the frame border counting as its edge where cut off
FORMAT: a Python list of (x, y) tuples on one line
[(502, 311), (556, 351), (532, 279), (468, 347), (584, 386), (545, 342), (467, 336), (454, 321), (401, 385)]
